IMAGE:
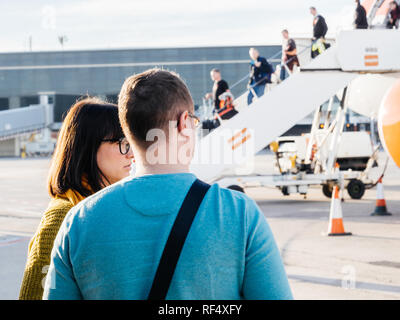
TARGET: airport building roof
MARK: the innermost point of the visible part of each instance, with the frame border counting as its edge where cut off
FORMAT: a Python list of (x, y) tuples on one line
[(102, 72)]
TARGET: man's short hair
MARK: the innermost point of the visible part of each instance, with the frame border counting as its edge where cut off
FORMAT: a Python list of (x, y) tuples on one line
[(285, 30), (312, 8), (150, 100), (215, 70)]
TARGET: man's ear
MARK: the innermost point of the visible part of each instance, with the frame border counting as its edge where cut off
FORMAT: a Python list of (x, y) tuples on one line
[(182, 122)]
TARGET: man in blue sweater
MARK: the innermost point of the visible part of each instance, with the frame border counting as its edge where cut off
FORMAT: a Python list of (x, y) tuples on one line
[(109, 245)]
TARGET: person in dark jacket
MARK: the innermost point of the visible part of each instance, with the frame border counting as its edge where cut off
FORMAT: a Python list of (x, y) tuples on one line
[(320, 28), (260, 75), (220, 87), (360, 21), (394, 15), (289, 54)]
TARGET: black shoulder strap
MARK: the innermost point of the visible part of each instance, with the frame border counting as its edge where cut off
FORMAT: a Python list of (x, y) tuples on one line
[(176, 240)]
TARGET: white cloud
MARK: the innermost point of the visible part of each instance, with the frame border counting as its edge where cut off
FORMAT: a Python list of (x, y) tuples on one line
[(105, 23)]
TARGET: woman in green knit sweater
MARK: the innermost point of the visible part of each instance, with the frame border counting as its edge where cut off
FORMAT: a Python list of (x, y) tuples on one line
[(91, 153)]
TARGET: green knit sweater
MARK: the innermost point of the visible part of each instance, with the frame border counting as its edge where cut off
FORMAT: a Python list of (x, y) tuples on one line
[(40, 249)]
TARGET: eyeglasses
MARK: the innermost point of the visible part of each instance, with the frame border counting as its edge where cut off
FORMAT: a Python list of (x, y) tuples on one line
[(123, 144), (195, 118)]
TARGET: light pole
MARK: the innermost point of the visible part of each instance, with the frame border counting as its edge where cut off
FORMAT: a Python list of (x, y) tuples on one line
[(62, 39)]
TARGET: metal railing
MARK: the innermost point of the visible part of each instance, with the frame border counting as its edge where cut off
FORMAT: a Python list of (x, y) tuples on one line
[(248, 74), (207, 108), (249, 88)]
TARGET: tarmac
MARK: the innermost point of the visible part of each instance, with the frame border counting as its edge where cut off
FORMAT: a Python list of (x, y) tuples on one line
[(365, 265)]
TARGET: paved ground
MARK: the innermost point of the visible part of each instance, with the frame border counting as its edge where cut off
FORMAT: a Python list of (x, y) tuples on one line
[(365, 265)]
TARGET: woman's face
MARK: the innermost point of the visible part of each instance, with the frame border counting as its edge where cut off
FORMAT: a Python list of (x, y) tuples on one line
[(114, 165)]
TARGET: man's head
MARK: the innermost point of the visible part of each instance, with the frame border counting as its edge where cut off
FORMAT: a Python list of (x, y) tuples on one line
[(392, 5), (155, 99), (215, 74), (313, 11), (253, 53), (285, 34)]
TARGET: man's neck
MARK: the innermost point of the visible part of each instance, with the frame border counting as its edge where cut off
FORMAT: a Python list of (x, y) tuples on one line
[(144, 170)]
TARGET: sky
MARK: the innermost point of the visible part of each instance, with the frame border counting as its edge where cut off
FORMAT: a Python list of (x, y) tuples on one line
[(97, 24)]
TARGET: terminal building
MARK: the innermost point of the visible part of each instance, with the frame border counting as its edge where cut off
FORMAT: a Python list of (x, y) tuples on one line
[(64, 76), (67, 75)]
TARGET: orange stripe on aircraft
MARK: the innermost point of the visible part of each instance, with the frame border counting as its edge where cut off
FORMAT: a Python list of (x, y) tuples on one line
[(371, 60), (237, 135), (371, 64), (238, 144)]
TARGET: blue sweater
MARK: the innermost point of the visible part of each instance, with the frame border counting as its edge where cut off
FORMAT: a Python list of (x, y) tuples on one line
[(110, 244)]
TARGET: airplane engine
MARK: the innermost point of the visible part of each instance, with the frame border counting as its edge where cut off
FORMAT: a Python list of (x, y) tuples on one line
[(389, 122)]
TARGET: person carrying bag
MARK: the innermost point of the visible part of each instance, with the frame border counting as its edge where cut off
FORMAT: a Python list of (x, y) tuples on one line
[(176, 240)]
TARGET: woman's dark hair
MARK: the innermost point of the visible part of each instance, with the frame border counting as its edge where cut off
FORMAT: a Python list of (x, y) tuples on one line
[(87, 124)]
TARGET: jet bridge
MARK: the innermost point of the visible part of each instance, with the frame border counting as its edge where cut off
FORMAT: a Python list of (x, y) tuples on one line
[(16, 122)]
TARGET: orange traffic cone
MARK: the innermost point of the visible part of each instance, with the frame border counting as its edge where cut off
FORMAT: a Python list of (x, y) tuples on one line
[(336, 227), (380, 208)]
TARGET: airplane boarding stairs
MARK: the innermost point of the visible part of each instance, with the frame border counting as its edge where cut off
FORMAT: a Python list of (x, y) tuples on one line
[(237, 140)]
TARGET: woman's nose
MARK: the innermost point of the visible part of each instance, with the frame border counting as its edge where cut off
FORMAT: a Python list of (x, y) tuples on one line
[(130, 155)]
